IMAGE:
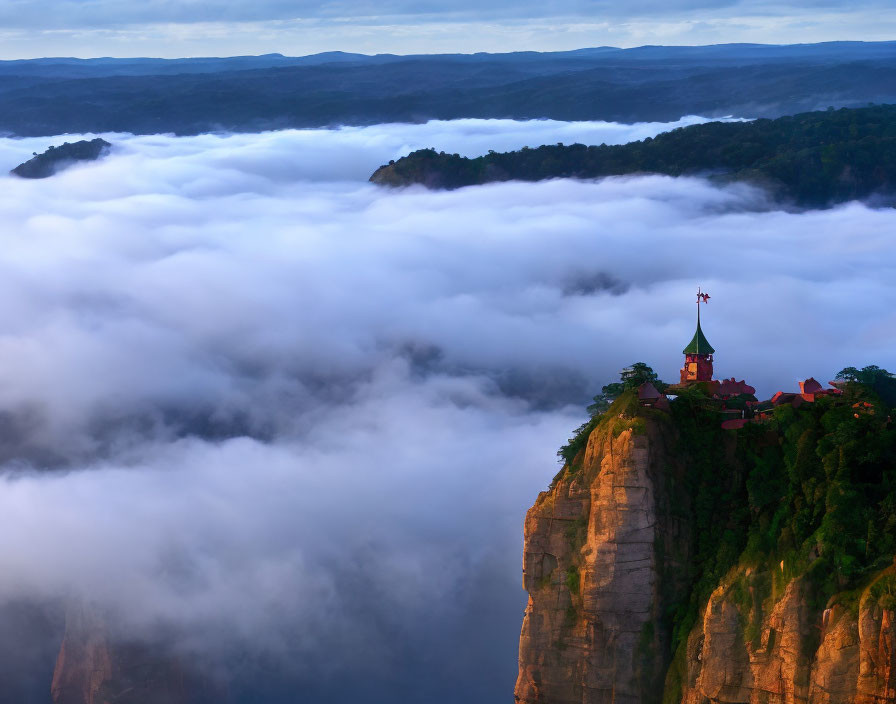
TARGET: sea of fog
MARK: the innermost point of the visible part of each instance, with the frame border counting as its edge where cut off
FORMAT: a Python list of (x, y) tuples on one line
[(248, 396)]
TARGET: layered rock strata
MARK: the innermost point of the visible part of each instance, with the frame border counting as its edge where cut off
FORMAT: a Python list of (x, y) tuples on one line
[(597, 574), (607, 553), (844, 654)]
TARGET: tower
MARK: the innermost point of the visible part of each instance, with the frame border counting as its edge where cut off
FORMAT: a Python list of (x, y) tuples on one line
[(698, 354)]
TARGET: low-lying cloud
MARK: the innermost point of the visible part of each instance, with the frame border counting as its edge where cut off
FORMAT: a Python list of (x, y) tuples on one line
[(346, 153), (244, 391)]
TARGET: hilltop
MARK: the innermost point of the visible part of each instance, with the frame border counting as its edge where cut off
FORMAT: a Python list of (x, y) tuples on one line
[(54, 159), (811, 159)]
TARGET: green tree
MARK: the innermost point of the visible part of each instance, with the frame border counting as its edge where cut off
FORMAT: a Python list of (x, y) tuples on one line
[(629, 378), (882, 382)]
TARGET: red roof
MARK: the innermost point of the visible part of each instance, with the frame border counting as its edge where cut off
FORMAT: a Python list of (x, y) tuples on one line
[(730, 387), (810, 386)]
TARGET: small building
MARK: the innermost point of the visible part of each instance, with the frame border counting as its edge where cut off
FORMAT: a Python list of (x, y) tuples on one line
[(810, 391), (810, 386), (784, 397), (649, 395), (697, 356), (730, 388)]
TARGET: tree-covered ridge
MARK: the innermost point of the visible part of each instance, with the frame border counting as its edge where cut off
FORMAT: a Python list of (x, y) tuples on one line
[(192, 96), (812, 159), (57, 158)]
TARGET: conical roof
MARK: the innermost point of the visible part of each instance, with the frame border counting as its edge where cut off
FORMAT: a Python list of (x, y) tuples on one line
[(699, 344)]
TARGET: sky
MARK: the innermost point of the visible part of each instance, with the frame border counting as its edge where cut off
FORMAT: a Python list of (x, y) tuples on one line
[(257, 400), (176, 28)]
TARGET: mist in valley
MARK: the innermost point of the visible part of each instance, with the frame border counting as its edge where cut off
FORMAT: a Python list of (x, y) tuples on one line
[(289, 422)]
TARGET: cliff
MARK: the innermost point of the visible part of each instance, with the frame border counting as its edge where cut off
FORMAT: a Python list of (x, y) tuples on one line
[(599, 566), (672, 561), (57, 158), (96, 667), (844, 653)]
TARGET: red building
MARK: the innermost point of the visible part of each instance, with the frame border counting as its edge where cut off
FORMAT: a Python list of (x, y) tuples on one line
[(697, 355)]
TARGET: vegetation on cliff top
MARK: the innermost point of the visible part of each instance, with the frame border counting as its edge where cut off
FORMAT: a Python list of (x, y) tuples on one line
[(810, 493), (813, 159), (630, 379)]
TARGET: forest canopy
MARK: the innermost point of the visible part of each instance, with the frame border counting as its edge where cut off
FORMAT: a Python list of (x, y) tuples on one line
[(812, 159)]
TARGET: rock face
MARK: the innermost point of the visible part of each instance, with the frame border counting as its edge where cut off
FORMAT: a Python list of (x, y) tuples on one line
[(597, 576), (94, 668), (724, 665), (877, 656), (57, 158), (606, 554), (841, 655)]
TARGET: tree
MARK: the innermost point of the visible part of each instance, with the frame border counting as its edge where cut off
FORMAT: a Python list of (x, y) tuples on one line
[(629, 378), (879, 380)]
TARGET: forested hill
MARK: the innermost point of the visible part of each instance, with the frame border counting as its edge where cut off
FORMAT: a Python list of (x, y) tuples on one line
[(811, 159), (252, 93)]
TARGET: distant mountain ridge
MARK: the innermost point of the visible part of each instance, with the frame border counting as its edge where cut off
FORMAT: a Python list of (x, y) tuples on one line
[(737, 52), (812, 159), (253, 93)]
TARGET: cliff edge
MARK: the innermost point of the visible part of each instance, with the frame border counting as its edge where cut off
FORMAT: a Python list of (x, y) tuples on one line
[(672, 561), (598, 574)]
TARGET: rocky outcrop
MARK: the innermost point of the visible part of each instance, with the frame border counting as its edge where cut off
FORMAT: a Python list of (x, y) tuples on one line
[(727, 663), (877, 655), (93, 667), (598, 567), (613, 559), (58, 158), (724, 672), (836, 668), (840, 655)]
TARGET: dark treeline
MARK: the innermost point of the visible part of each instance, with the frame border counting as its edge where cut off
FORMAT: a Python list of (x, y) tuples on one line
[(811, 159), (56, 158), (191, 96)]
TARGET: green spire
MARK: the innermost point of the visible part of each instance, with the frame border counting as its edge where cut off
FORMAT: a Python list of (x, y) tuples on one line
[(699, 345)]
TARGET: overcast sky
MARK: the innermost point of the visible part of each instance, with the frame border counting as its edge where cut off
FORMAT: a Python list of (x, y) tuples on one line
[(171, 28)]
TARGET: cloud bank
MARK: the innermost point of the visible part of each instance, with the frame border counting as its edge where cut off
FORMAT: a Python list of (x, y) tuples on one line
[(246, 393), (346, 153)]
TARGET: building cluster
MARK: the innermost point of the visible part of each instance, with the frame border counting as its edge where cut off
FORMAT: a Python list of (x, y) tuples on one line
[(736, 400)]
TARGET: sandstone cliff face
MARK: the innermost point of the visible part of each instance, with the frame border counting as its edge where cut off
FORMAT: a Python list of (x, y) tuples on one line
[(607, 553), (725, 666), (877, 655), (94, 668), (798, 655), (597, 575)]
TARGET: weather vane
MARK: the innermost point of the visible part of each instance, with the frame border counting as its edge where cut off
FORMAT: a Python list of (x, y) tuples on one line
[(702, 297)]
